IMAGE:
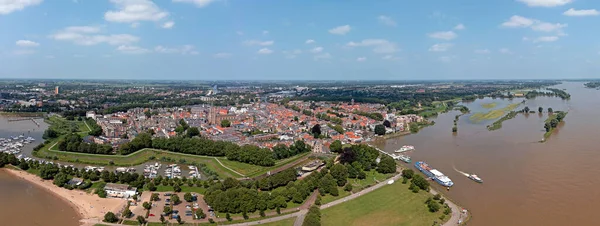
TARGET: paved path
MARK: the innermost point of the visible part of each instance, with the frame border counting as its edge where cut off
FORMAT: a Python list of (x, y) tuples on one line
[(229, 168), (456, 211)]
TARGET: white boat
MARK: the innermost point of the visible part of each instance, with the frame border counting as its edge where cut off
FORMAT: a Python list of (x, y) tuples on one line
[(475, 178), (405, 148)]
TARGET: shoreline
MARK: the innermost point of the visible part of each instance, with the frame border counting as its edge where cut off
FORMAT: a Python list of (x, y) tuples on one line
[(88, 207)]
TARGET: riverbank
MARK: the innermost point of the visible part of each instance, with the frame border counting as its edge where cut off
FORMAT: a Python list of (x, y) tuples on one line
[(87, 205)]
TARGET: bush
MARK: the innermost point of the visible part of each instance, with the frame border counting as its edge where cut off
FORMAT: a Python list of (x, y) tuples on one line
[(110, 217)]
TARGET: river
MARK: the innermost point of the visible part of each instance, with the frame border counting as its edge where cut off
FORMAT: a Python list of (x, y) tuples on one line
[(22, 202), (525, 182)]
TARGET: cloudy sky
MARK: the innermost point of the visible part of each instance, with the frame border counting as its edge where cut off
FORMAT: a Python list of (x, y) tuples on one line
[(302, 39)]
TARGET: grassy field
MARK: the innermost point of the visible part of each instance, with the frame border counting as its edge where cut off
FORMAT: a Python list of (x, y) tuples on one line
[(184, 189), (390, 205), (493, 114), (371, 179), (130, 222), (547, 134), (286, 222), (489, 105), (498, 124)]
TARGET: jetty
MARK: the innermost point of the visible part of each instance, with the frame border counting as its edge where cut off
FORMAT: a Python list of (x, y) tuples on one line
[(25, 119), (394, 156)]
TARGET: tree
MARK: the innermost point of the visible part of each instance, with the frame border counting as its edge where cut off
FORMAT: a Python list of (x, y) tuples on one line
[(336, 146), (151, 186), (547, 126), (433, 206), (318, 200), (23, 165), (141, 220), (200, 214), (454, 129), (127, 213), (313, 217), (380, 129), (178, 218), (162, 218), (387, 123), (176, 188), (278, 210), (193, 131), (110, 217), (167, 210), (188, 197), (225, 123), (340, 174), (386, 165), (147, 205), (348, 187), (526, 109), (540, 109), (228, 217), (316, 130), (554, 123), (550, 110), (175, 199)]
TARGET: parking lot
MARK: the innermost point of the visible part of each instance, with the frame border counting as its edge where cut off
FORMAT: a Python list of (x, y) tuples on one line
[(184, 209)]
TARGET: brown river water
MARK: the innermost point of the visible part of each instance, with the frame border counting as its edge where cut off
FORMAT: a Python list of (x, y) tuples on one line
[(525, 182), (23, 203)]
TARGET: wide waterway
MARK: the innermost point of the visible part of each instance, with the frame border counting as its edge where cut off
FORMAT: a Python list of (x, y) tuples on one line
[(22, 202), (525, 182)]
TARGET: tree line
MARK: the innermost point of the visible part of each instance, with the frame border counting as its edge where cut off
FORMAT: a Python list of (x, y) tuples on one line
[(74, 143), (250, 154)]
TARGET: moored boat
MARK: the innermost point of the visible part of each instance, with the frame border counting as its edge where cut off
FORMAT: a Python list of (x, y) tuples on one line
[(436, 175)]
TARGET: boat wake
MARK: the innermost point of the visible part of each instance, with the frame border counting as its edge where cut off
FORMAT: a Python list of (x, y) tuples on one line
[(461, 172)]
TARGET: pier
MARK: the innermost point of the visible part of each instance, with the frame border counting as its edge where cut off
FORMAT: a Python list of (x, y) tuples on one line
[(25, 119), (395, 157)]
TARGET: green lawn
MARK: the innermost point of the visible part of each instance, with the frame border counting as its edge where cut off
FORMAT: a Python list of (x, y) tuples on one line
[(329, 198), (390, 205), (286, 222), (371, 179), (130, 222), (493, 114), (184, 189)]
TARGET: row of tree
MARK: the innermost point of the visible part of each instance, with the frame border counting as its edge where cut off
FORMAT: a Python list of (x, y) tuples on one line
[(74, 143)]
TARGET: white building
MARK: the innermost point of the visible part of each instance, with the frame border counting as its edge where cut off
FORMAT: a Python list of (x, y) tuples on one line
[(120, 190)]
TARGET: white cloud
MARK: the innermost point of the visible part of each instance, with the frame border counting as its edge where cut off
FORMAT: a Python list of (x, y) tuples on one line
[(222, 55), (361, 59), (23, 52), (340, 30), (390, 57), (310, 41), (546, 39), (50, 56), (482, 51), (198, 3), (265, 32), (582, 12), (322, 56), (317, 50), (460, 27), (386, 20), (505, 51), (445, 35), (27, 43), (548, 27), (536, 25), (518, 21), (545, 3), (85, 35), (9, 6), (258, 43), (132, 49), (186, 49), (131, 11), (440, 47), (380, 45), (264, 51), (168, 25)]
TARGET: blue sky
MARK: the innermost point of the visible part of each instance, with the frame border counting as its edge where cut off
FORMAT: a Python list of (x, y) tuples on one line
[(308, 39)]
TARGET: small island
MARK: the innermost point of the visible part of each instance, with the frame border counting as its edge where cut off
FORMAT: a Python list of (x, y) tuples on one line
[(552, 122), (489, 105), (592, 85)]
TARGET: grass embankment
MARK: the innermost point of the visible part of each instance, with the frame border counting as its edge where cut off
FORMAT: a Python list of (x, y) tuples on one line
[(372, 178), (493, 114), (489, 105), (548, 120), (498, 124), (286, 222), (390, 205)]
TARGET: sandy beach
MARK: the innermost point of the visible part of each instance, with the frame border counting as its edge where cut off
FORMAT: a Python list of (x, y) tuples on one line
[(90, 207)]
